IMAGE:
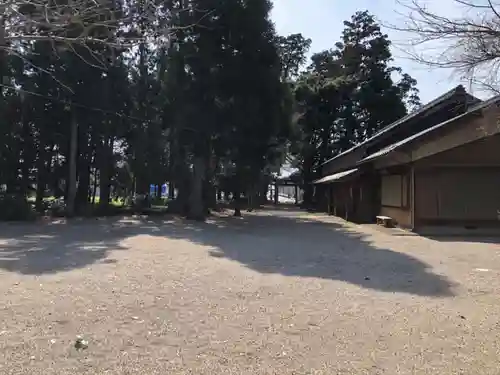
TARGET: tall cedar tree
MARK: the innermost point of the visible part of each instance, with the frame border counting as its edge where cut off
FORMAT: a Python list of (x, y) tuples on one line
[(347, 94)]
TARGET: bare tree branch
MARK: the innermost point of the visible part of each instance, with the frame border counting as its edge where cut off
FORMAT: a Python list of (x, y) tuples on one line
[(93, 30), (29, 63), (78, 20), (93, 24), (469, 43)]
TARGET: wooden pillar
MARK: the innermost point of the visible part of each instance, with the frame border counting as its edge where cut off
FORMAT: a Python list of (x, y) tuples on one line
[(334, 201), (328, 198), (412, 197), (349, 204), (330, 194)]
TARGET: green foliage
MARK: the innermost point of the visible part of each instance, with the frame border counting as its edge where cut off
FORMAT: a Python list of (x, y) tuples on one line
[(292, 50), (347, 94), (112, 95), (229, 104)]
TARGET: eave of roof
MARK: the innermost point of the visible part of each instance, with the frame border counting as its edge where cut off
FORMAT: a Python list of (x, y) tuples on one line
[(403, 120), (387, 150), (335, 177)]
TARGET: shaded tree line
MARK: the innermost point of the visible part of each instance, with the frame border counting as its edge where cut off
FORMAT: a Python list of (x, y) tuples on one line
[(202, 100), (202, 94)]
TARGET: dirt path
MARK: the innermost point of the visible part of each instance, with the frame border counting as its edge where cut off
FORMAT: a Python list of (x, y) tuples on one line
[(275, 293)]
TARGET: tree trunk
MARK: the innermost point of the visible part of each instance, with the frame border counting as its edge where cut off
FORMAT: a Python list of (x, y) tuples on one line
[(94, 186), (82, 193), (70, 204), (105, 172), (173, 153), (2, 55), (251, 198), (209, 189), (25, 188), (236, 197), (55, 173), (41, 165), (196, 206), (40, 189), (182, 177), (308, 195), (307, 199), (209, 196), (236, 200), (264, 192), (142, 185), (181, 202), (158, 191), (171, 190)]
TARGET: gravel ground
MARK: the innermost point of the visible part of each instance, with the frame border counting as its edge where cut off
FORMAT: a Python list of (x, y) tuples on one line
[(278, 292)]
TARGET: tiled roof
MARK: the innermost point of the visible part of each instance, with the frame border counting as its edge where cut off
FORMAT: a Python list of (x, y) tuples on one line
[(403, 120), (414, 137)]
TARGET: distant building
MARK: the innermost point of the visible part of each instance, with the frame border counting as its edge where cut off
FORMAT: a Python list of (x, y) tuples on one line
[(439, 165)]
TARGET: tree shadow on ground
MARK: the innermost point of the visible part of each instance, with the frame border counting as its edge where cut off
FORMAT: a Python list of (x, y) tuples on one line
[(44, 248), (297, 246), (280, 242)]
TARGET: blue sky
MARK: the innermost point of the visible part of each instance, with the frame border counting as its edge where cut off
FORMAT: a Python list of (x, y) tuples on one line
[(322, 21)]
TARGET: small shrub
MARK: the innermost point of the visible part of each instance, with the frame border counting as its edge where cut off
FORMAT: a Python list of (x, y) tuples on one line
[(57, 207), (141, 202), (157, 201), (15, 207)]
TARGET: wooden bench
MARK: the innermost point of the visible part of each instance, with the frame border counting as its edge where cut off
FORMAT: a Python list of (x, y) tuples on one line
[(385, 221)]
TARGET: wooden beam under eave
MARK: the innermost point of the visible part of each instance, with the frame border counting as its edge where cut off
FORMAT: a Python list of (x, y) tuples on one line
[(392, 159), (473, 129)]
